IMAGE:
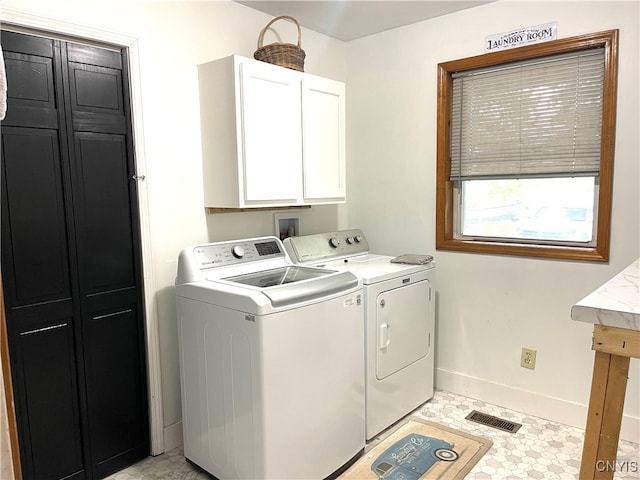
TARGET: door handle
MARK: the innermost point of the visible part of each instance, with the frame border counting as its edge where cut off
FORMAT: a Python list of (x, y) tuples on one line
[(385, 337)]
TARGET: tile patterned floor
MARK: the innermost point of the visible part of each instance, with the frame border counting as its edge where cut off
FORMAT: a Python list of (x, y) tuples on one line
[(541, 449)]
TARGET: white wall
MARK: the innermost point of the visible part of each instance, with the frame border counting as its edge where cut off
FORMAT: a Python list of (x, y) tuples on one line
[(488, 306), (173, 38)]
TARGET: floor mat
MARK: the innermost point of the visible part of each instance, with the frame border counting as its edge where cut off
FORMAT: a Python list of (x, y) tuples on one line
[(419, 449)]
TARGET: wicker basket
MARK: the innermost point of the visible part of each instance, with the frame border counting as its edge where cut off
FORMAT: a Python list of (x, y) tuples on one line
[(284, 54)]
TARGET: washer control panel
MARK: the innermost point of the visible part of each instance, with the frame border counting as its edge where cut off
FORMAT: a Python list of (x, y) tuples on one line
[(240, 251), (325, 246)]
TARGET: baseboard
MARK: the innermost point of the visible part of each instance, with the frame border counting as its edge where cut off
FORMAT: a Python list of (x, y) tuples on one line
[(173, 436), (532, 403)]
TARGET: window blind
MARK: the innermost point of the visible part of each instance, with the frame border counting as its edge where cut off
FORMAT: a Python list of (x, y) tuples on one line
[(536, 118)]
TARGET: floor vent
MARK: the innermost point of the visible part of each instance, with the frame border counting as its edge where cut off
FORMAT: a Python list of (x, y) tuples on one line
[(495, 422)]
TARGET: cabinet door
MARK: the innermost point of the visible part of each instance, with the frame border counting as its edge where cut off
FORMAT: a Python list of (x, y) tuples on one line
[(271, 131), (323, 116)]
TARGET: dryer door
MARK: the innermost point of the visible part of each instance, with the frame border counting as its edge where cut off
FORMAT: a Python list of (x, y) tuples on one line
[(402, 318)]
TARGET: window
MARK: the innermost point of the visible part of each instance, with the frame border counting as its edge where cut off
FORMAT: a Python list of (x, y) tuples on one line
[(525, 150)]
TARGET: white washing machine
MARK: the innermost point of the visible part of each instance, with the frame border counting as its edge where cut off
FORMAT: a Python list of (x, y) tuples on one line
[(271, 363), (399, 321)]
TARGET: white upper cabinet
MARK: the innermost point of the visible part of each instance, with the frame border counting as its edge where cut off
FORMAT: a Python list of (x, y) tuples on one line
[(270, 125), (270, 136), (323, 143)]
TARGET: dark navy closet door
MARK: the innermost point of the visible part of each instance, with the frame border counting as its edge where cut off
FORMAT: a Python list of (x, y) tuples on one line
[(71, 259), (106, 226), (36, 263)]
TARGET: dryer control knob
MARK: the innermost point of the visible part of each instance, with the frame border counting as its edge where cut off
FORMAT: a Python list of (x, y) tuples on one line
[(334, 242), (358, 238), (350, 240), (237, 251)]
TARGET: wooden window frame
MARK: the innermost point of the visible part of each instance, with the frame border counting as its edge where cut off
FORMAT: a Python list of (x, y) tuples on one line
[(445, 203)]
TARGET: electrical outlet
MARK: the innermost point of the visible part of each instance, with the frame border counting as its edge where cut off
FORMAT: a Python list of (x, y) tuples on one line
[(528, 358)]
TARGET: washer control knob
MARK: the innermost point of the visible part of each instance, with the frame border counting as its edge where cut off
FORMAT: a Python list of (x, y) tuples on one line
[(350, 240), (334, 242), (237, 251), (358, 238)]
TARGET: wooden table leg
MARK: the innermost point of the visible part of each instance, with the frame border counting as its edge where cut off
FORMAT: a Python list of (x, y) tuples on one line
[(604, 417)]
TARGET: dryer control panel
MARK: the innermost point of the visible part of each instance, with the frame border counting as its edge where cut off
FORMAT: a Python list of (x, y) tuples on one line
[(326, 246)]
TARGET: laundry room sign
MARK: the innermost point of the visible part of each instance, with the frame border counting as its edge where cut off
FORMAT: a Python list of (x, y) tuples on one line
[(521, 37)]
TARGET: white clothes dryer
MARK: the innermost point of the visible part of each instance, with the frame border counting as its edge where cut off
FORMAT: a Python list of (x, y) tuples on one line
[(271, 363), (399, 321)]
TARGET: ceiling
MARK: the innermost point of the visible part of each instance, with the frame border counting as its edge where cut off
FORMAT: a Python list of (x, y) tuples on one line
[(350, 19)]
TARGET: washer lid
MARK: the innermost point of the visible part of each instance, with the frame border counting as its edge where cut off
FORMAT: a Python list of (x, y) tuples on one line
[(278, 276), (290, 285)]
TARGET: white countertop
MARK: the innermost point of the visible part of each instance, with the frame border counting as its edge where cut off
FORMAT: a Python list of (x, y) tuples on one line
[(614, 304)]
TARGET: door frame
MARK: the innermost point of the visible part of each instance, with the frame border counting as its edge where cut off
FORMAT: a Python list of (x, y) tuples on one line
[(18, 19)]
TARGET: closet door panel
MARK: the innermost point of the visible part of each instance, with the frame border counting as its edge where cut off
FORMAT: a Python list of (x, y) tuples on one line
[(30, 80), (96, 89), (96, 98), (103, 219), (112, 355), (49, 376), (34, 227)]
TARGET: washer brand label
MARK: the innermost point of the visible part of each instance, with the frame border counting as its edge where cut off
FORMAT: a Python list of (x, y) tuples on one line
[(250, 318), (350, 302)]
